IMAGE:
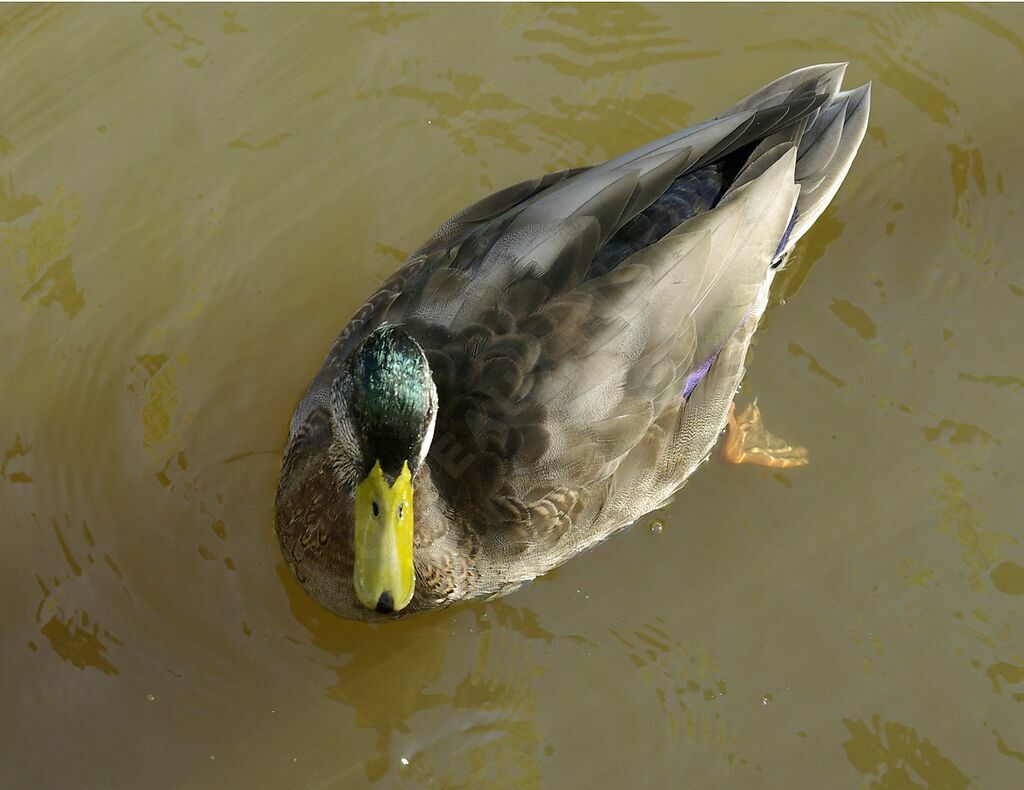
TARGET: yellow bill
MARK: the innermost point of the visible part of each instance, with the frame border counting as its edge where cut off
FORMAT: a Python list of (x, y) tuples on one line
[(384, 575)]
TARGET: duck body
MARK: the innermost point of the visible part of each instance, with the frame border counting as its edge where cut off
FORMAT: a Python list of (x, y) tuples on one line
[(583, 335)]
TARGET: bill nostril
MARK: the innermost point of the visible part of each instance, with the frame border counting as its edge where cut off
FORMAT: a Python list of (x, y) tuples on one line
[(385, 604)]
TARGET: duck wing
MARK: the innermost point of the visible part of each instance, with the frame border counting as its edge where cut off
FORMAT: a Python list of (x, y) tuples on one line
[(546, 392), (575, 324)]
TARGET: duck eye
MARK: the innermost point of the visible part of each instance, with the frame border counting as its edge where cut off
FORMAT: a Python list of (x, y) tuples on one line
[(376, 509)]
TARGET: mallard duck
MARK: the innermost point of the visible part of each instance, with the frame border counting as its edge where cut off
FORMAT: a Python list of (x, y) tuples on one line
[(556, 361)]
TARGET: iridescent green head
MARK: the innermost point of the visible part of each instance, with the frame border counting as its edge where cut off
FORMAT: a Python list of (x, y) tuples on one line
[(392, 400), (385, 403)]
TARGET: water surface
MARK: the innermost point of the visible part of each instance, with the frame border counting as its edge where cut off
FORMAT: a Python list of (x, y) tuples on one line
[(195, 199)]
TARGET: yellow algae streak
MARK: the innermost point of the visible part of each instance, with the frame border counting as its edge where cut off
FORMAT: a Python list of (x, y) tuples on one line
[(894, 756), (165, 25), (151, 362), (160, 403), (23, 16), (959, 519), (383, 18), (959, 432), (1004, 749), (76, 638), (854, 317), (1008, 577), (13, 205), (37, 253), (270, 142), (58, 285), (1005, 672), (390, 252), (66, 550), (814, 366), (916, 576), (77, 645), (30, 249), (999, 381), (230, 23), (18, 450)]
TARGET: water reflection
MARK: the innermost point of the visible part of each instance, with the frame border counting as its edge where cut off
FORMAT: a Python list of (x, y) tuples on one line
[(480, 118), (890, 58), (686, 687), (811, 249), (481, 730), (620, 40), (977, 16), (498, 743), (389, 671)]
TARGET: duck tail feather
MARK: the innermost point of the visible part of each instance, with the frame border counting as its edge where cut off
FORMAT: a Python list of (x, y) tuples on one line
[(825, 154), (824, 78)]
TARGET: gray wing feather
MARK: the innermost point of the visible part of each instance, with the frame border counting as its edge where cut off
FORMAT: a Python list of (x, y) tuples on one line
[(669, 306), (564, 386)]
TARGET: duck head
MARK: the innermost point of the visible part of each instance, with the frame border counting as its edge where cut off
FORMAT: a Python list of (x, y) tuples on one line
[(384, 405)]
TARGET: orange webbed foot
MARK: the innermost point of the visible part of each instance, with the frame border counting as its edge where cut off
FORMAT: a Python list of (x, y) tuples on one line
[(747, 442)]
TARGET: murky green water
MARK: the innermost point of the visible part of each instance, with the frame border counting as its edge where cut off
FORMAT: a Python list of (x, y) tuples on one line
[(195, 199)]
